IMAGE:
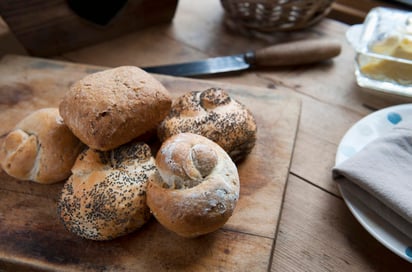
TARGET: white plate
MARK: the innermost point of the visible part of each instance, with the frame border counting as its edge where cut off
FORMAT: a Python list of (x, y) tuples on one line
[(359, 135)]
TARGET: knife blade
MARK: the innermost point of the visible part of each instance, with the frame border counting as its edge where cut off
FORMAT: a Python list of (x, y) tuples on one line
[(284, 54)]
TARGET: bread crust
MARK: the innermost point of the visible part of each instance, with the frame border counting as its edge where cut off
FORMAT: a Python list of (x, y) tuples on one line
[(214, 114), (105, 197), (110, 108), (196, 188), (40, 148)]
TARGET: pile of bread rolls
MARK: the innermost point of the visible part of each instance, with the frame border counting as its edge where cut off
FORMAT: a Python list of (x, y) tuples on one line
[(94, 142)]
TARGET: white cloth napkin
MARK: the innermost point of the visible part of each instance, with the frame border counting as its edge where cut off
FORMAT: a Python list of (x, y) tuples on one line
[(380, 175)]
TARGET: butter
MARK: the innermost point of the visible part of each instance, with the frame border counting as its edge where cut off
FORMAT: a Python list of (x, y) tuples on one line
[(383, 69)]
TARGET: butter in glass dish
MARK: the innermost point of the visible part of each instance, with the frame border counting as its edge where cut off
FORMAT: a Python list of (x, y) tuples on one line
[(383, 45)]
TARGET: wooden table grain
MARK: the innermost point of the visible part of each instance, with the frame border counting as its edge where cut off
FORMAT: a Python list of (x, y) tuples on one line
[(316, 231)]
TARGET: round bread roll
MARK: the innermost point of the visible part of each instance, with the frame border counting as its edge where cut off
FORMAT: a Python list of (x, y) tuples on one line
[(214, 114), (196, 188), (110, 108), (105, 197), (40, 148)]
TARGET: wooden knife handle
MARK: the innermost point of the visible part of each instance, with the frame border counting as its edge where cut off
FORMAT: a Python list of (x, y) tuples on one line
[(295, 53)]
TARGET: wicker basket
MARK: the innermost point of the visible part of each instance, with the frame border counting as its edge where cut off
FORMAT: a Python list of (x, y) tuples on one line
[(274, 15)]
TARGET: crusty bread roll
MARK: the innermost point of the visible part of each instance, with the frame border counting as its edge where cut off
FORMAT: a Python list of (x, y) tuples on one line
[(110, 108), (105, 197), (214, 114), (40, 148), (197, 186)]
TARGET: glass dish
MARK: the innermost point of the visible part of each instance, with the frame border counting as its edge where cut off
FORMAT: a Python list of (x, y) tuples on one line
[(383, 45)]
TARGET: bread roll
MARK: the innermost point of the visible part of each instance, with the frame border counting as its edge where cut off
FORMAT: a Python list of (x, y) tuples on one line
[(40, 148), (105, 197), (110, 108), (214, 114), (197, 186)]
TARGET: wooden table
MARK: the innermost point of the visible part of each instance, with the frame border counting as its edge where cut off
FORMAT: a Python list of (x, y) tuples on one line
[(316, 231), (354, 11)]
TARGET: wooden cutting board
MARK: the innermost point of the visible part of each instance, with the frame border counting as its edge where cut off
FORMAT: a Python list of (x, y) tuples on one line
[(31, 234)]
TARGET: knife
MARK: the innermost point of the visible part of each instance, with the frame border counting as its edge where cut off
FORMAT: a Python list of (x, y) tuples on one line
[(283, 54)]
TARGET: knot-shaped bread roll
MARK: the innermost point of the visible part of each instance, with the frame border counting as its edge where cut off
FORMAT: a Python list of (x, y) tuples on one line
[(214, 114), (105, 197), (197, 186), (40, 148)]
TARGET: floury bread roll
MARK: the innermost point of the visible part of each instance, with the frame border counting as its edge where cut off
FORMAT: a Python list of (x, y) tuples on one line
[(110, 108), (197, 186), (105, 197), (214, 114), (40, 148)]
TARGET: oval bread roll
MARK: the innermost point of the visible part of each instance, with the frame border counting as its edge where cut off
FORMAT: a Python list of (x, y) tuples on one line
[(40, 148), (214, 114), (197, 186), (105, 197), (110, 108)]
